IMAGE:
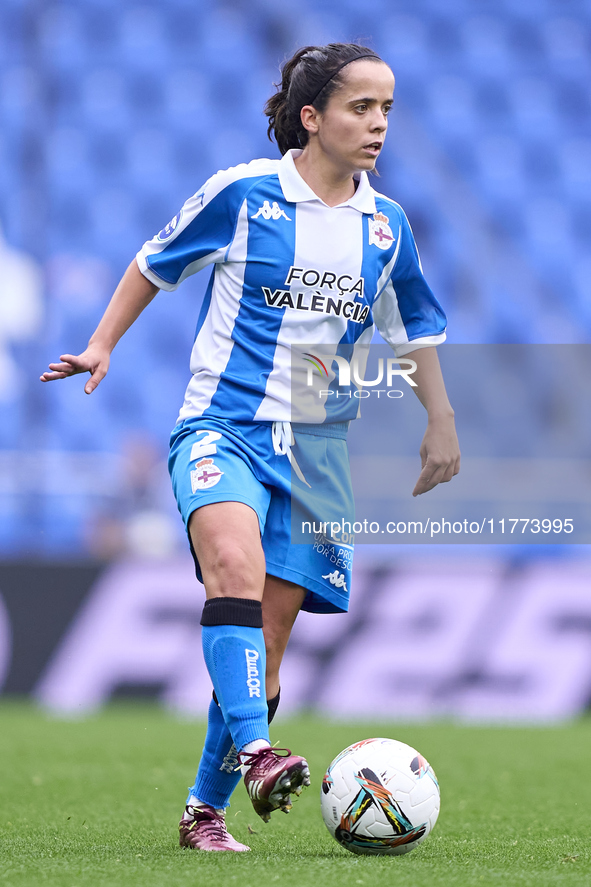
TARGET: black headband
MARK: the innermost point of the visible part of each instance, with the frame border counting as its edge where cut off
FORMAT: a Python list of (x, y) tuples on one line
[(366, 55)]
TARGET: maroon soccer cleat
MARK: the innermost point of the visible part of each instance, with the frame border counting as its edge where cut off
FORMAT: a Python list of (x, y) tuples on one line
[(273, 775), (206, 830)]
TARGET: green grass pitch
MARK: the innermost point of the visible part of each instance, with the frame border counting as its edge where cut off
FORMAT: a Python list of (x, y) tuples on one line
[(96, 802)]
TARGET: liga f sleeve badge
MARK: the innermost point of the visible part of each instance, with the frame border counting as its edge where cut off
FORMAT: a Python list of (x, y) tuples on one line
[(380, 233)]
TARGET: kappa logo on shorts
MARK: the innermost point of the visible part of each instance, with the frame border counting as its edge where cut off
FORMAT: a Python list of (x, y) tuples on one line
[(337, 579), (271, 212), (206, 474), (380, 233)]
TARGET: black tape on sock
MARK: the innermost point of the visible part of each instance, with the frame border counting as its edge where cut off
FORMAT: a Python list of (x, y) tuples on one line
[(232, 611), (272, 705)]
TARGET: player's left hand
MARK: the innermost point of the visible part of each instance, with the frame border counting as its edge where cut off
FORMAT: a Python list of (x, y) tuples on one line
[(440, 455)]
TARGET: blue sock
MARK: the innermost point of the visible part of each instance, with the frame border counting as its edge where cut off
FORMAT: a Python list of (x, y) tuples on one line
[(218, 773), (234, 651)]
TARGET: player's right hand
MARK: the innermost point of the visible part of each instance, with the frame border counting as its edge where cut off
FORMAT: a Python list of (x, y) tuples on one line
[(94, 361)]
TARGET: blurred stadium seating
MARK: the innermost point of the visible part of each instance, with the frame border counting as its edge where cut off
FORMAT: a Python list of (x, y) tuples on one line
[(113, 113)]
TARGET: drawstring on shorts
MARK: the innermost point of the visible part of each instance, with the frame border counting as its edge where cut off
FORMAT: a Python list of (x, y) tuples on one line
[(283, 441)]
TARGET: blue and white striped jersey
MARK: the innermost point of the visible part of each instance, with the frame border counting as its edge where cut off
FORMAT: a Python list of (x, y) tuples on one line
[(288, 271)]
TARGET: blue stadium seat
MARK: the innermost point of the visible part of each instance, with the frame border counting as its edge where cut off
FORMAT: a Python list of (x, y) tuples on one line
[(105, 100), (60, 34), (142, 38)]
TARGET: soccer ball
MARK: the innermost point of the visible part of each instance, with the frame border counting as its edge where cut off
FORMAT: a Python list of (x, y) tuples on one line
[(380, 796)]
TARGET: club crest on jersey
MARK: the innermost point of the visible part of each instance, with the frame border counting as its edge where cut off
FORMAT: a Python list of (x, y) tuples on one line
[(169, 230), (268, 211), (206, 474), (380, 233)]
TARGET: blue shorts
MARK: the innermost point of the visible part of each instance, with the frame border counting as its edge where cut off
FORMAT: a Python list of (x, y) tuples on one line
[(216, 460)]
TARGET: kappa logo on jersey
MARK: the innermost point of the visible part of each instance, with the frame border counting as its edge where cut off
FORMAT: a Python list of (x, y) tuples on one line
[(169, 230), (271, 212), (206, 474), (337, 579), (380, 233)]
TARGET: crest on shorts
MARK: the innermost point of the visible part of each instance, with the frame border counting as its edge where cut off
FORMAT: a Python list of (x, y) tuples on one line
[(380, 233), (206, 474)]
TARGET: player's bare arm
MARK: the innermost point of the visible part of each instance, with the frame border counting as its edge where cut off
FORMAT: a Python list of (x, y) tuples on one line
[(132, 295), (440, 451)]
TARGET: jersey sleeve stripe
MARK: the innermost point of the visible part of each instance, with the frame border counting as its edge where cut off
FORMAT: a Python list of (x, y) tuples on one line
[(202, 232), (406, 310), (415, 344)]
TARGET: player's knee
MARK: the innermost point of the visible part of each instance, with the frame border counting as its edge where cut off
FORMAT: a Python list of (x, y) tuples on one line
[(231, 563)]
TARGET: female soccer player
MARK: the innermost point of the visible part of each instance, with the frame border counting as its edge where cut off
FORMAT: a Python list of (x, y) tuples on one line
[(303, 251)]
